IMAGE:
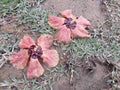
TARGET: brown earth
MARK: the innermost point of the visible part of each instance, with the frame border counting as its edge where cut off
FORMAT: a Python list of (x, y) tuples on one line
[(90, 9), (8, 72), (90, 73)]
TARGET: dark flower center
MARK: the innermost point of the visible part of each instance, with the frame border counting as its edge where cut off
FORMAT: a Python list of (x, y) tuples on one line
[(35, 51), (70, 23)]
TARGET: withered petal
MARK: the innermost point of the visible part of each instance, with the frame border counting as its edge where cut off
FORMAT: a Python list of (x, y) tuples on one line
[(20, 59), (63, 35), (79, 33), (26, 42), (45, 41), (82, 29), (67, 14), (55, 22), (83, 21), (34, 69), (50, 57)]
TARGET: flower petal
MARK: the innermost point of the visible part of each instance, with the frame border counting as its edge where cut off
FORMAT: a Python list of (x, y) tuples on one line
[(26, 42), (20, 59), (67, 14), (34, 69), (45, 41), (82, 21), (79, 33), (82, 29), (63, 35), (50, 57), (55, 22)]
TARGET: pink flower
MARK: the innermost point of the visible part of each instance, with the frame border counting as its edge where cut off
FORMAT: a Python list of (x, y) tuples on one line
[(32, 52), (68, 26)]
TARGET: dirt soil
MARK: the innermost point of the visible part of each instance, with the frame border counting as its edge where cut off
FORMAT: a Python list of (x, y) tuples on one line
[(90, 9), (8, 72), (90, 74)]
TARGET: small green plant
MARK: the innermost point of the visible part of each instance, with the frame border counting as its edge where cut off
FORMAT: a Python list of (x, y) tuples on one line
[(8, 7)]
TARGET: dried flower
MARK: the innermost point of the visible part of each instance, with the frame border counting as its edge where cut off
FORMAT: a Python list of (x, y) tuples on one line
[(31, 53), (68, 26)]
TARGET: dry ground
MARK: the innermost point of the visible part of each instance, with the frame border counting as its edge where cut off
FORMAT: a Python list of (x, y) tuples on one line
[(84, 64)]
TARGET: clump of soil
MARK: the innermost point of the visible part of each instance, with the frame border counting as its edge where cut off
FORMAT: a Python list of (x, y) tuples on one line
[(91, 74)]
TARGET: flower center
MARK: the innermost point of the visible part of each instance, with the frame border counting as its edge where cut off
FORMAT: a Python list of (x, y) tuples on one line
[(35, 51), (70, 23)]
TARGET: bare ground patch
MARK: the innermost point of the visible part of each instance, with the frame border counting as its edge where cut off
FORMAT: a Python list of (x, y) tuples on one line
[(90, 9), (90, 74)]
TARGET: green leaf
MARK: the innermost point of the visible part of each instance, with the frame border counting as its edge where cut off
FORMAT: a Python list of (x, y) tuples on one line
[(6, 1)]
